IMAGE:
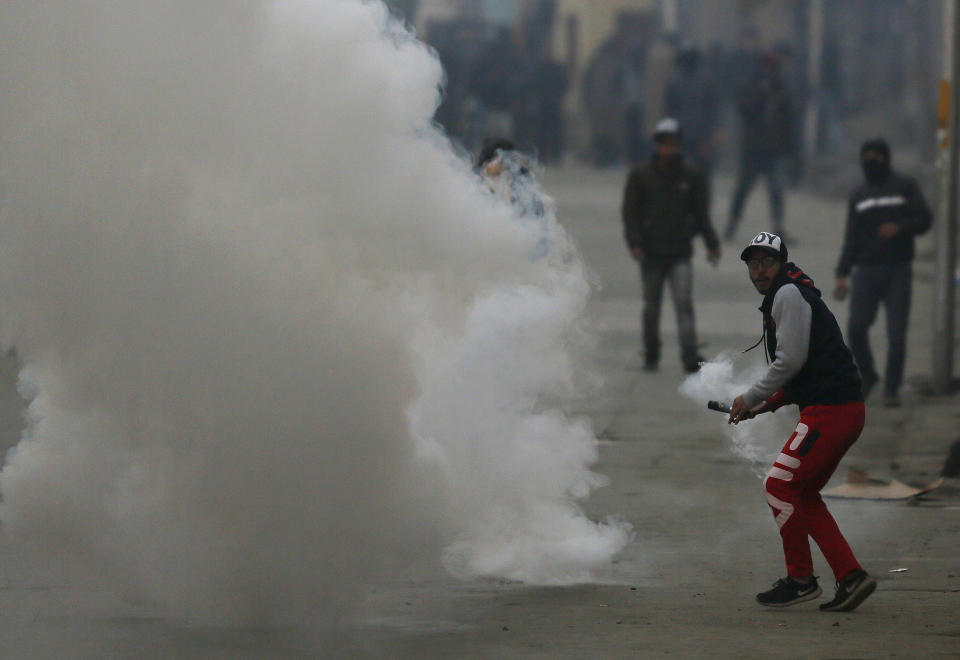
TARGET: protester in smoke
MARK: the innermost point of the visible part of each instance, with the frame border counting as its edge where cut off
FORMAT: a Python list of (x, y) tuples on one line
[(692, 99), (508, 174), (665, 205), (767, 138), (884, 215), (812, 368)]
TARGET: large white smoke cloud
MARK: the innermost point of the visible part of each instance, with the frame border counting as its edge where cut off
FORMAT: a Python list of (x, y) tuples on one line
[(277, 339)]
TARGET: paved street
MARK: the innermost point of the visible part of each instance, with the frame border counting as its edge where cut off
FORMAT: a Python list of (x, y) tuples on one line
[(704, 543)]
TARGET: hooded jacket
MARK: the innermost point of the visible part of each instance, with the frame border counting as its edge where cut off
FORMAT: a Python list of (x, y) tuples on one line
[(889, 198), (809, 360)]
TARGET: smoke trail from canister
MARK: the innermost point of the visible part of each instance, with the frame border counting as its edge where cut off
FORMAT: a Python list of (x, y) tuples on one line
[(277, 338), (756, 440)]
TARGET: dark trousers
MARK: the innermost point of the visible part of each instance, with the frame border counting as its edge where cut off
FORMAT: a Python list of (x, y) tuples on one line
[(752, 166), (655, 271), (890, 283)]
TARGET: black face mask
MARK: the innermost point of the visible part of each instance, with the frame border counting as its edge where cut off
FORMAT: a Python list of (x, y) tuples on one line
[(875, 170)]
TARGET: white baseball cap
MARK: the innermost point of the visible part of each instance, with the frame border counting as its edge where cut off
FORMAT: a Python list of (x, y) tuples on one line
[(769, 242), (667, 126)]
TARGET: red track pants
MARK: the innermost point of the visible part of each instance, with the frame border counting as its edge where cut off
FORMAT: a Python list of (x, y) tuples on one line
[(793, 484)]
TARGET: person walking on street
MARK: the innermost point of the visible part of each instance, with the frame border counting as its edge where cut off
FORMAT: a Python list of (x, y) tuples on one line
[(884, 215), (811, 367), (766, 140), (665, 205), (602, 90)]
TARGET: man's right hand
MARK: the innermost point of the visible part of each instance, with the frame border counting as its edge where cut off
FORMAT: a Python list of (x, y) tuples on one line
[(841, 289), (637, 253), (739, 412)]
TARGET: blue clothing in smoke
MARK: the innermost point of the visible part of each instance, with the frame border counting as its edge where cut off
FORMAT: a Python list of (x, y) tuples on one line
[(509, 176)]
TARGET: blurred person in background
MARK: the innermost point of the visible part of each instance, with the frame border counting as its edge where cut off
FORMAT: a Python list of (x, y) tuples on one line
[(542, 84), (665, 205), (767, 139), (732, 68), (884, 215), (539, 105), (603, 96), (658, 68), (638, 146), (692, 99), (458, 44), (739, 65), (795, 79)]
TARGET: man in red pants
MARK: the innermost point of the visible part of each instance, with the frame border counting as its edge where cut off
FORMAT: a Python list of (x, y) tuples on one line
[(812, 367)]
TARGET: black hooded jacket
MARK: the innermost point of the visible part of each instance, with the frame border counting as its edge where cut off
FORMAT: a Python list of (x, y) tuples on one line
[(885, 197), (829, 375)]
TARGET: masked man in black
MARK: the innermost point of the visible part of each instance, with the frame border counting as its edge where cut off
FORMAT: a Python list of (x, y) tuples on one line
[(883, 216)]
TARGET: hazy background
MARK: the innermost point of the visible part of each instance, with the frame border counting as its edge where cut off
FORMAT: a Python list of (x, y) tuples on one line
[(586, 80)]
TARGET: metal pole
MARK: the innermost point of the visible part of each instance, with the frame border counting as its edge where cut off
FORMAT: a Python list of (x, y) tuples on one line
[(945, 228), (814, 56)]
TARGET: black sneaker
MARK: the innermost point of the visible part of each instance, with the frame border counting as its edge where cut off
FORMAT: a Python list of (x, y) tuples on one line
[(787, 591), (851, 591)]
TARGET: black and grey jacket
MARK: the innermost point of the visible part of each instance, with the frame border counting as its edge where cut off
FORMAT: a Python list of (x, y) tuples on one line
[(809, 360), (895, 199)]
